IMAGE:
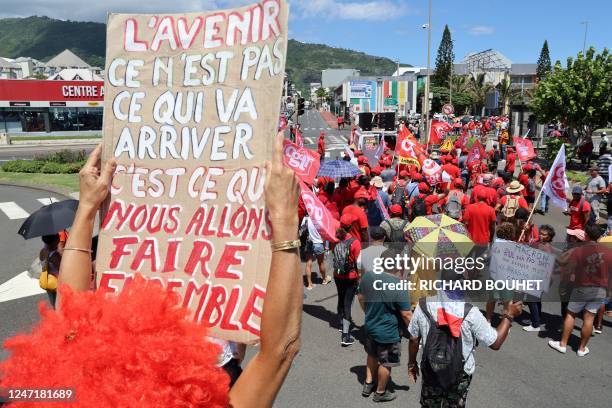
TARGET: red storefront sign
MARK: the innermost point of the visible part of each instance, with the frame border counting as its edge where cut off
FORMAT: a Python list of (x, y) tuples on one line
[(32, 90)]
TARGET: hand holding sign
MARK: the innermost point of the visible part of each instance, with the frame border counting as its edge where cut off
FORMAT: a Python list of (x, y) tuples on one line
[(95, 180)]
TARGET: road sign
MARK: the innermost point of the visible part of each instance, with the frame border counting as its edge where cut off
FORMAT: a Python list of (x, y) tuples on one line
[(448, 109)]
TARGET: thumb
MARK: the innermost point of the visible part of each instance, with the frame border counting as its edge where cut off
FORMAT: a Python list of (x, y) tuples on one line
[(106, 175)]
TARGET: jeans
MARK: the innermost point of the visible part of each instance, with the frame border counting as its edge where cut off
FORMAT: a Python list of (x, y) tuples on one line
[(595, 205), (544, 203), (535, 309), (347, 288), (503, 151)]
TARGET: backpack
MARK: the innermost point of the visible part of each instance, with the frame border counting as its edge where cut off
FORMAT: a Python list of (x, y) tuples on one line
[(398, 196), (419, 208), (442, 360), (512, 204), (531, 187), (306, 244), (342, 264), (453, 206), (591, 219), (396, 238)]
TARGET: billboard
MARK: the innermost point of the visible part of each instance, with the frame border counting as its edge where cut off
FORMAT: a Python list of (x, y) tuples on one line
[(361, 89)]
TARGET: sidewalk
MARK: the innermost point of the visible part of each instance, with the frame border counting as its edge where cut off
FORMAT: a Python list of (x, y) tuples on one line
[(330, 118), (50, 143)]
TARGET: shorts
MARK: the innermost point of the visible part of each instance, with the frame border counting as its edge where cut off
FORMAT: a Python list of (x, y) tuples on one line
[(387, 354), (318, 249), (589, 298), (530, 199), (434, 396)]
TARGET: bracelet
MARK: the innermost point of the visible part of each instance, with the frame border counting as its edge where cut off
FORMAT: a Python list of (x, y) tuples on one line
[(285, 245), (89, 251), (507, 316)]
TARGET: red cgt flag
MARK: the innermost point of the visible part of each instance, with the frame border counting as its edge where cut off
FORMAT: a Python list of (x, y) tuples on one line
[(408, 149), (324, 222), (438, 131), (477, 152), (304, 162), (524, 149)]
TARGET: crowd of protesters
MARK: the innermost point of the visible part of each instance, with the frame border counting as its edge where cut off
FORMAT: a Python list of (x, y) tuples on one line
[(494, 197)]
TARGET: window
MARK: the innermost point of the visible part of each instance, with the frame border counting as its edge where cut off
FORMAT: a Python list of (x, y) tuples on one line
[(63, 119)]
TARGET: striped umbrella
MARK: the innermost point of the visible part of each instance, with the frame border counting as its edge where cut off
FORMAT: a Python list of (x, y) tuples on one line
[(439, 236), (338, 169)]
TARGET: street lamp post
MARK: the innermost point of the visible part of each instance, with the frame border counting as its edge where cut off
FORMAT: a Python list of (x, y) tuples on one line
[(427, 79), (586, 30)]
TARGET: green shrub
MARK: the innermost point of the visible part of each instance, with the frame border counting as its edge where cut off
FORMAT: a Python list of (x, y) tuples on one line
[(63, 156), (39, 166)]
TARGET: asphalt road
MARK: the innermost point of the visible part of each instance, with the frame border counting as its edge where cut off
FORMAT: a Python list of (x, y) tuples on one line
[(312, 124), (525, 373)]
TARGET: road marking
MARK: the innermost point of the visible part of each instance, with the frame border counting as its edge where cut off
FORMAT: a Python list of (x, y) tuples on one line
[(22, 285), (327, 155), (47, 201), (309, 140), (13, 211)]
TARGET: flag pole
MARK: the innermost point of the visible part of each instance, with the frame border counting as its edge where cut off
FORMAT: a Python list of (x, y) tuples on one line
[(534, 205)]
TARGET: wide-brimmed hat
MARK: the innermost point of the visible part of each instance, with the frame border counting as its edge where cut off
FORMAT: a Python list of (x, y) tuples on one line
[(515, 187), (377, 182)]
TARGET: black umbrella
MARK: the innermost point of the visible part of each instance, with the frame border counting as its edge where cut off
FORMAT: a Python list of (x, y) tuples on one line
[(49, 220)]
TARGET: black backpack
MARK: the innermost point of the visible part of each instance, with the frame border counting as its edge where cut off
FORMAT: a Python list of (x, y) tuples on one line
[(396, 238), (342, 264), (398, 196), (419, 208), (442, 361)]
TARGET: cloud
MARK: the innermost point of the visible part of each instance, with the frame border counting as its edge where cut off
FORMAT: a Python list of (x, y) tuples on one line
[(351, 10), (77, 10), (481, 30)]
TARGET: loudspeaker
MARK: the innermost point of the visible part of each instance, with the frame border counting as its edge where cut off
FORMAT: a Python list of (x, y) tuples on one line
[(387, 121), (365, 121)]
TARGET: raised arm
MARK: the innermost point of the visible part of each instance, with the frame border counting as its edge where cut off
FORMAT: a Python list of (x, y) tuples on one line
[(75, 269), (282, 312)]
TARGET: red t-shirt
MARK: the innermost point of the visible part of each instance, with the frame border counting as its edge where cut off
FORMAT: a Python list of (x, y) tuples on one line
[(510, 162), (354, 252), (452, 170), (578, 218), (488, 193), (522, 202), (591, 263), (343, 196), (321, 147), (478, 218), (362, 219), (430, 200)]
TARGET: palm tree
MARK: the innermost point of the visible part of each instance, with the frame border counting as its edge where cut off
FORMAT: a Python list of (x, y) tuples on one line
[(506, 93), (461, 84), (478, 90)]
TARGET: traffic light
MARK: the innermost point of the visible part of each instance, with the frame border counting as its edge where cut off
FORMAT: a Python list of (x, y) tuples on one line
[(300, 109)]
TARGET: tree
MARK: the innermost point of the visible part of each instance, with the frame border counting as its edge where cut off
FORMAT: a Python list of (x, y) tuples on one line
[(321, 95), (579, 95), (444, 60), (462, 101), (478, 91), (544, 65), (507, 94)]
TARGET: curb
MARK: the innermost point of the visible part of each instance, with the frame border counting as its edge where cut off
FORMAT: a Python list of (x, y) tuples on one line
[(67, 143), (57, 191)]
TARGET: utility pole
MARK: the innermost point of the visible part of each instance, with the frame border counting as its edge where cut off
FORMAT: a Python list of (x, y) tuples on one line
[(428, 75), (586, 30), (450, 86)]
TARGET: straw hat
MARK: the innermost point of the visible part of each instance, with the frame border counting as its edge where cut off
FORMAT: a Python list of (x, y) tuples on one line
[(515, 187)]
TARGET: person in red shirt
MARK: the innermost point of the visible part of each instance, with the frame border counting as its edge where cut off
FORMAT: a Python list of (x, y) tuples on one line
[(510, 160), (363, 165), (343, 195), (590, 267), (340, 122), (579, 210), (527, 232), (479, 219), (452, 170), (513, 190), (430, 199), (457, 189), (357, 210), (321, 145), (401, 181), (348, 280), (485, 190)]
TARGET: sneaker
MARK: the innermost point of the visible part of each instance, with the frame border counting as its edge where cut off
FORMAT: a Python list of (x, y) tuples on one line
[(532, 329), (368, 389), (347, 340), (384, 397), (557, 346), (597, 330), (327, 280), (584, 352)]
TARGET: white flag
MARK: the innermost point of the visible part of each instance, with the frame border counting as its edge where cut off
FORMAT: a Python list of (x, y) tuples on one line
[(556, 184)]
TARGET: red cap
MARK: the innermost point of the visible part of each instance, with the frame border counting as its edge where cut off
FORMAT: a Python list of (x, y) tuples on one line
[(376, 170), (362, 160), (358, 153), (423, 188), (528, 167), (417, 177), (347, 220), (396, 209), (455, 161), (403, 173), (458, 182), (362, 193)]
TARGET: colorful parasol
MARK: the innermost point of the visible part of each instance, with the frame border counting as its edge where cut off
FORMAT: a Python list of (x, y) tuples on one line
[(439, 236)]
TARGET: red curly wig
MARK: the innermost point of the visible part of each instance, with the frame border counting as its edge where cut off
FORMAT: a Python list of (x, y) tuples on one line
[(133, 350)]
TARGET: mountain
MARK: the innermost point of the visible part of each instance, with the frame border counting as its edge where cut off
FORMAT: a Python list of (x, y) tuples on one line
[(44, 37)]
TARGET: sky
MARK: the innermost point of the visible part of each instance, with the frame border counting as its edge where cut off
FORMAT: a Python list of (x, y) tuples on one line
[(393, 28)]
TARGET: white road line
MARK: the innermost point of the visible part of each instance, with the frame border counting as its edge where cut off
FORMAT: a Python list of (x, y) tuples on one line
[(309, 140), (47, 200), (13, 211), (22, 285), (327, 155)]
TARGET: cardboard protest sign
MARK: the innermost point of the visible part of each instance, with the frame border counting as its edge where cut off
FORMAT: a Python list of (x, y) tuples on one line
[(191, 112), (304, 162), (511, 261)]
